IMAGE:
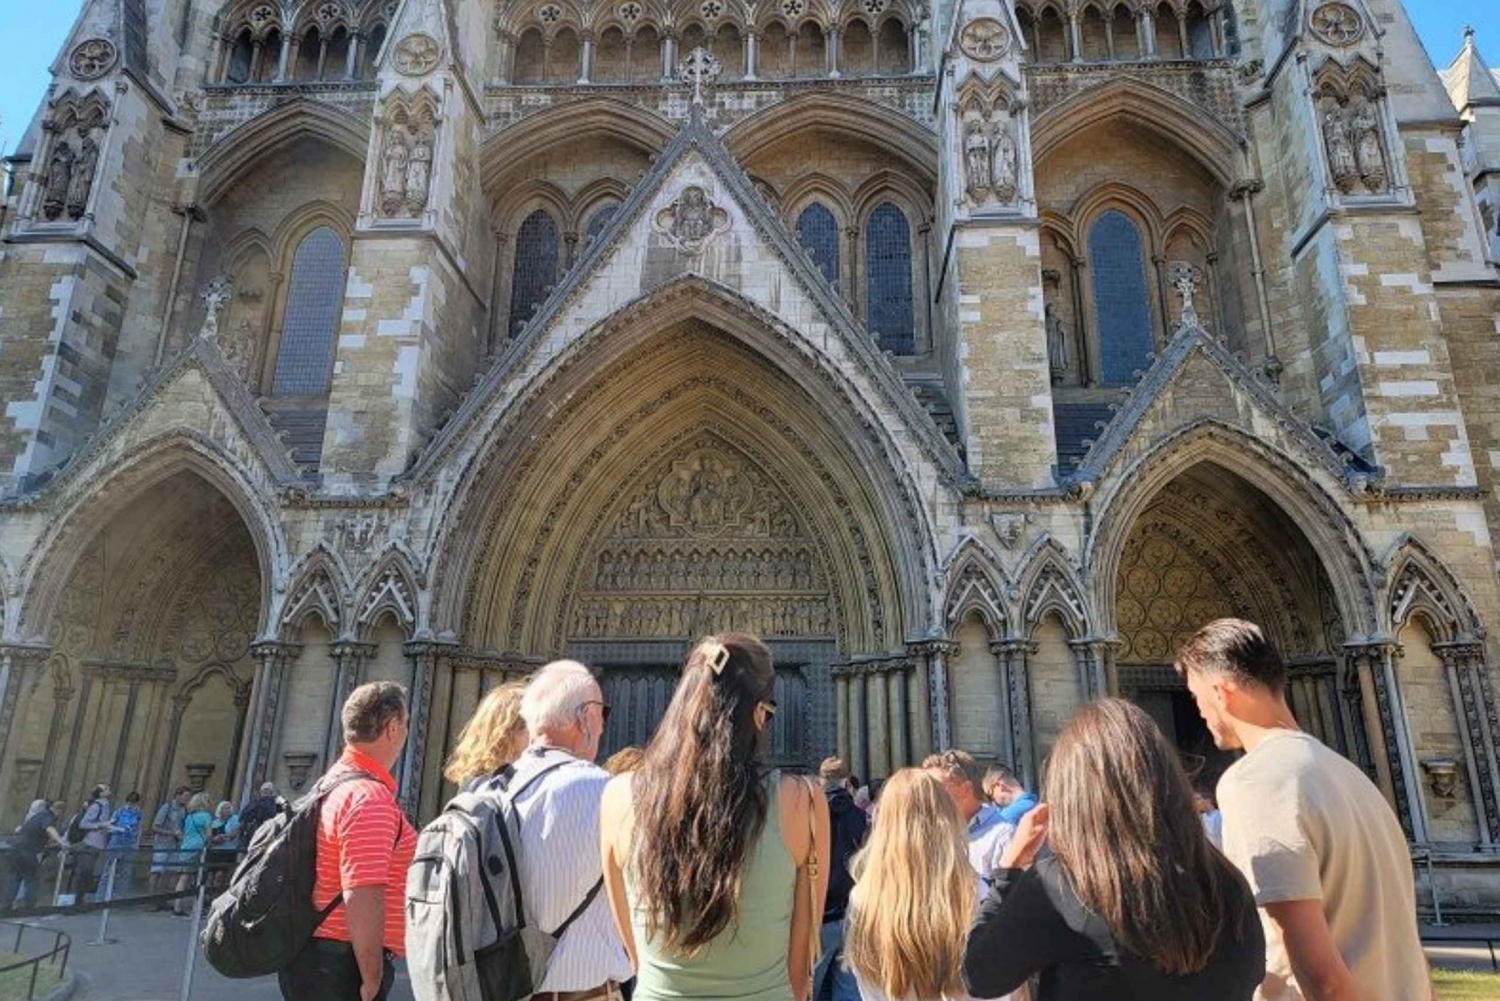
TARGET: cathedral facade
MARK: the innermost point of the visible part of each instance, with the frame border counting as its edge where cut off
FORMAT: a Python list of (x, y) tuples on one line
[(972, 352)]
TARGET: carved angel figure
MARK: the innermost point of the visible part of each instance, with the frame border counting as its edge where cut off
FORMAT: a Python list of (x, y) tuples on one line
[(976, 161), (1005, 165), (393, 173), (1340, 151)]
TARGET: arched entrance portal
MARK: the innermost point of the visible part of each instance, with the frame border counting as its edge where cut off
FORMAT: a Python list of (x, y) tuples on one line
[(1208, 545), (147, 679), (688, 486)]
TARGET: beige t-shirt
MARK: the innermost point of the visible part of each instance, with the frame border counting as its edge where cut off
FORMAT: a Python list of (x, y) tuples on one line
[(1302, 822)]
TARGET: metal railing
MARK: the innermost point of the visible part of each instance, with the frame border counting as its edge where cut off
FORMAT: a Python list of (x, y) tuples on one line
[(62, 945)]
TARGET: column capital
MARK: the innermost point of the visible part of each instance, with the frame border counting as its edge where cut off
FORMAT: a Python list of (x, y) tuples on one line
[(274, 652), (1012, 645), (24, 652), (1245, 188), (941, 646)]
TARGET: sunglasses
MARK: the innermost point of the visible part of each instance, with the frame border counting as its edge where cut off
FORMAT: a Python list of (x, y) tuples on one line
[(603, 709), (770, 705)]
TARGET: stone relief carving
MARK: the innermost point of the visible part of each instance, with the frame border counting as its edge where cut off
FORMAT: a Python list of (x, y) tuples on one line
[(1349, 118), (1368, 156), (691, 221), (1009, 526), (76, 128), (699, 68), (417, 54), (406, 160), (984, 40), (1336, 24), (1057, 345), (1186, 280), (92, 58), (216, 298), (990, 154), (976, 161)]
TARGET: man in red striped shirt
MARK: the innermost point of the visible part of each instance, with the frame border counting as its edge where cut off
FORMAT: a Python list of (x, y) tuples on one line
[(364, 847)]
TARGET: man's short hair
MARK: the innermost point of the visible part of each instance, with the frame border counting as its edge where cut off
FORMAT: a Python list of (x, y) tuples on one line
[(1236, 649), (957, 765), (370, 709), (555, 694), (999, 774), (834, 771), (268, 788)]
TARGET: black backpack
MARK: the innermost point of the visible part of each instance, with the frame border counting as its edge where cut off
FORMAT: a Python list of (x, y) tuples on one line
[(266, 917)]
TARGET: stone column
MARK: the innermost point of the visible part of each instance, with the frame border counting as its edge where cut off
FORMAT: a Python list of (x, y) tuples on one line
[(180, 703), (1466, 670), (322, 57), (351, 61), (242, 693), (586, 61), (1091, 659), (833, 53), (937, 652), (426, 657), (1084, 343), (1159, 265), (1182, 35), (1148, 33), (1245, 192), (919, 699), (1015, 654), (507, 56), (271, 658), (289, 43), (257, 60), (841, 711), (752, 45), (859, 758), (878, 719), (1109, 34), (668, 67), (351, 659), (1368, 669), (15, 660), (61, 695), (899, 713), (1075, 36)]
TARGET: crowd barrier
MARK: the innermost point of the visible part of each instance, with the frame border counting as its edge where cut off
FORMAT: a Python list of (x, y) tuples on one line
[(62, 945)]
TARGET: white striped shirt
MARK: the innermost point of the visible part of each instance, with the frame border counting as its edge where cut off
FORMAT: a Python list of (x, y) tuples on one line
[(559, 865)]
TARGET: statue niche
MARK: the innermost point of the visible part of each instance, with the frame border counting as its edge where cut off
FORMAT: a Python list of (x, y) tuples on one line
[(405, 167), (990, 152), (77, 128), (1349, 119)]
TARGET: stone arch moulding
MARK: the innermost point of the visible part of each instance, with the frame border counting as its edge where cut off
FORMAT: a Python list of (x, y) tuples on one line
[(1211, 142), (392, 585), (977, 582), (317, 585), (594, 116), (223, 163), (1049, 584), (88, 502), (1125, 491), (912, 143), (1419, 583), (495, 440)]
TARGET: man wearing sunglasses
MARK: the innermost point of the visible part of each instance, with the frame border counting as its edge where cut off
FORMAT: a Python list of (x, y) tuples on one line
[(558, 804)]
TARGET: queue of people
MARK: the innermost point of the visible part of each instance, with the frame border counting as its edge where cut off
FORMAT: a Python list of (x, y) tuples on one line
[(692, 869)]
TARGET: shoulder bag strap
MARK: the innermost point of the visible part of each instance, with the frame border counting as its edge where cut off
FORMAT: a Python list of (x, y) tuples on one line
[(588, 898)]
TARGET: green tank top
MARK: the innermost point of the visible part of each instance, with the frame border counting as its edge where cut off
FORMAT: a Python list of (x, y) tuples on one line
[(748, 959)]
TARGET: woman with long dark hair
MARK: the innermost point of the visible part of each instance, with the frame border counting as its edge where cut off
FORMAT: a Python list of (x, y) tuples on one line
[(716, 866), (1134, 904)]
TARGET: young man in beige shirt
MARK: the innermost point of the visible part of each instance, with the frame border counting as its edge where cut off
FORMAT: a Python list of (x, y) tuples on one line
[(1317, 841)]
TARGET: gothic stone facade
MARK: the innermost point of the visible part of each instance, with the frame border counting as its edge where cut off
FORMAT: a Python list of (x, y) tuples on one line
[(973, 353)]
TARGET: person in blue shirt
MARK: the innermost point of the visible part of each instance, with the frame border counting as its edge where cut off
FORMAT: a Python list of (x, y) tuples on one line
[(1003, 789)]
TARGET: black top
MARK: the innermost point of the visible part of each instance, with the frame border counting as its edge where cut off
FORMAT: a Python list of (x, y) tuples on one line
[(848, 825), (1033, 923), (32, 837)]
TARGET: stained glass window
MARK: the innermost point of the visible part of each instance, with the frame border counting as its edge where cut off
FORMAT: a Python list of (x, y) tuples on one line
[(888, 277), (315, 297), (1120, 297), (818, 232), (598, 221), (536, 267)]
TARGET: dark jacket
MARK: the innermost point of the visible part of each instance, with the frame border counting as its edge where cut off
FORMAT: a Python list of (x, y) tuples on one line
[(257, 812), (849, 825)]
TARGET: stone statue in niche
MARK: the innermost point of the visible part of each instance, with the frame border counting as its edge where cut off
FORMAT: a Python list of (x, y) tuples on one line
[(1057, 345), (1341, 164), (59, 179), (393, 164), (976, 161), (418, 175), (1367, 152), (83, 175), (1004, 177)]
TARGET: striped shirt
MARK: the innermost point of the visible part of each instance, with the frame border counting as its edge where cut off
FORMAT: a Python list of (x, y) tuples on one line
[(363, 840), (560, 863)]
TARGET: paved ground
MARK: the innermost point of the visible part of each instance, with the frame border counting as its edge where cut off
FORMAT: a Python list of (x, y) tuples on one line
[(147, 959)]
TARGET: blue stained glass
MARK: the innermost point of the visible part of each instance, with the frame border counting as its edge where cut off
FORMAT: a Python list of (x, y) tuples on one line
[(888, 279), (1120, 297), (304, 358), (598, 221), (535, 269), (818, 232)]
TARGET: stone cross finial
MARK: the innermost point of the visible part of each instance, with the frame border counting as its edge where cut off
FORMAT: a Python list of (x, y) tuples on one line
[(1184, 278), (698, 68), (215, 298)]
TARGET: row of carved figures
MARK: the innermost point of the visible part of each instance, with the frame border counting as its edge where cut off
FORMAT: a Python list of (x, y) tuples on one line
[(730, 570), (686, 616), (1352, 137), (990, 158), (70, 174)]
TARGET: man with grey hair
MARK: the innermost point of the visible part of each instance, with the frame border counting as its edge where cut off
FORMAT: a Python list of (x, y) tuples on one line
[(555, 788), (259, 810)]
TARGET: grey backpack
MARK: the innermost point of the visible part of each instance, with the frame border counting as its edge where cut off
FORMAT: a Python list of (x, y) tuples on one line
[(468, 936)]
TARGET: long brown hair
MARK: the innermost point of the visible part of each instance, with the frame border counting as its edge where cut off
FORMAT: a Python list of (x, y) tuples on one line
[(698, 797), (1125, 832), (913, 898)]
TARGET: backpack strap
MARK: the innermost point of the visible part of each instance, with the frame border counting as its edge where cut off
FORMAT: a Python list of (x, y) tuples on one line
[(320, 792), (588, 898)]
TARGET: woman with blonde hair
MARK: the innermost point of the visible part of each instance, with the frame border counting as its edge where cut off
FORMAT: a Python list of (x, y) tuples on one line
[(715, 865), (1134, 904), (494, 737), (914, 896)]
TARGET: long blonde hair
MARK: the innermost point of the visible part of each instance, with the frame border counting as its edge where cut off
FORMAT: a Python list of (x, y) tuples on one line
[(494, 736), (914, 893), (1124, 830)]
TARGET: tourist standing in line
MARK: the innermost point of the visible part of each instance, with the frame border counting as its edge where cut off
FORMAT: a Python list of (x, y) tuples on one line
[(1002, 788), (716, 867), (988, 833), (166, 832), (96, 829), (123, 839), (1212, 817), (914, 896), (259, 810), (197, 828), (848, 825), (36, 832), (493, 737), (224, 843), (364, 848), (1320, 845), (556, 790), (1133, 904), (625, 760)]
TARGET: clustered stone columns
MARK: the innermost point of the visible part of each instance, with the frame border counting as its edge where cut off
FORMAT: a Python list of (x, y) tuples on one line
[(350, 659), (1469, 681), (1015, 673), (272, 660), (881, 725), (426, 658), (16, 660), (1369, 678)]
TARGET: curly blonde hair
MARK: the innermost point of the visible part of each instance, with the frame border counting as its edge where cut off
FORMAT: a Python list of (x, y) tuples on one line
[(494, 736)]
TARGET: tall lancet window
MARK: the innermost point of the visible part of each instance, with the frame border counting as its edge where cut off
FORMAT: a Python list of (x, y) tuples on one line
[(535, 268), (888, 279), (315, 297), (818, 232), (1121, 304)]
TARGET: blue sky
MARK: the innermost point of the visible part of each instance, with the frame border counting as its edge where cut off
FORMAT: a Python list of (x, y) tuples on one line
[(34, 31)]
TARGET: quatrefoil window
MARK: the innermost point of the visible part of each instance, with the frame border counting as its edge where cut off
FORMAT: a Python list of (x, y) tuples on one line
[(792, 8), (630, 11), (874, 6), (550, 13), (711, 9)]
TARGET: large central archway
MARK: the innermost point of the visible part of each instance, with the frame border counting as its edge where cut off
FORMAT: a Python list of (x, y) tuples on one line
[(688, 486)]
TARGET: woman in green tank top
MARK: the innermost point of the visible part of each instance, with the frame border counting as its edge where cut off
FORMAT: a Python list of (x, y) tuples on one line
[(715, 868)]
